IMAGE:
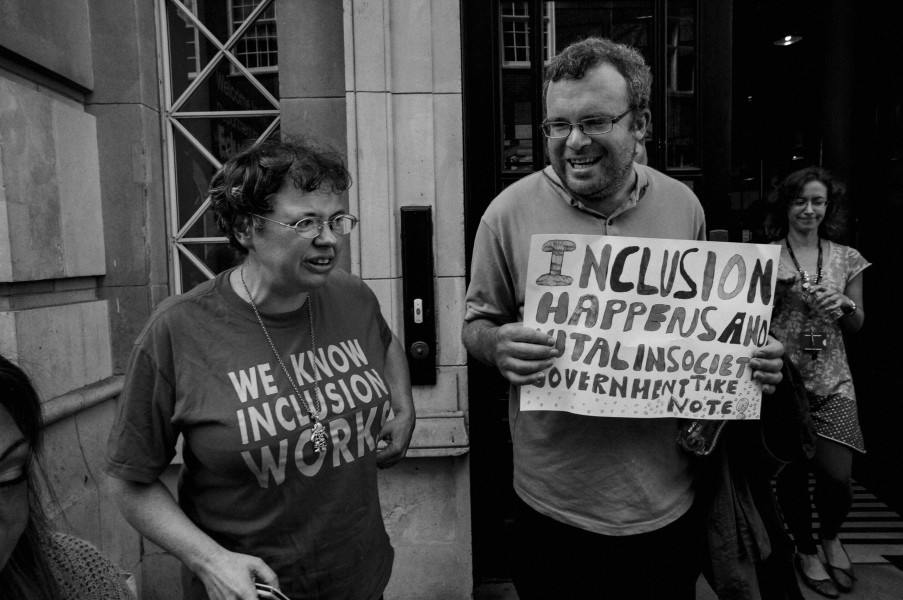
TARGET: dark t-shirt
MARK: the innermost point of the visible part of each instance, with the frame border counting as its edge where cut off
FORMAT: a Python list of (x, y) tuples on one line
[(251, 479)]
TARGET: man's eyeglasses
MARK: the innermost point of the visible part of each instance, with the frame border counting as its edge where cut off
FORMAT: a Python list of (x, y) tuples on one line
[(590, 126), (311, 227), (816, 202)]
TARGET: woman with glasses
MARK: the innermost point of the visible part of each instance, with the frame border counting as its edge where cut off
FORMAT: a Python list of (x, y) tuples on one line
[(37, 563), (819, 299), (280, 375)]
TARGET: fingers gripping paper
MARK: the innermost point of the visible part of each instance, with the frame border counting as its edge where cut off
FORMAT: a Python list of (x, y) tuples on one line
[(649, 328)]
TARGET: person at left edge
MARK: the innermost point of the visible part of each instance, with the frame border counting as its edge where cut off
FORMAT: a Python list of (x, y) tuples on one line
[(37, 562), (280, 375)]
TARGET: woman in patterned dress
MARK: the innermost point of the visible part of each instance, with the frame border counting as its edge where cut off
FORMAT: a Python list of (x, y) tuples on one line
[(819, 299)]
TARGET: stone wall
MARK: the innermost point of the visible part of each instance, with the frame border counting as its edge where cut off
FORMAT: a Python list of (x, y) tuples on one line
[(84, 247), (82, 233), (405, 148)]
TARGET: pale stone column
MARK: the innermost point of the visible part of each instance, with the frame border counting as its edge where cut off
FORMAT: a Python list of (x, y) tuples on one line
[(405, 148)]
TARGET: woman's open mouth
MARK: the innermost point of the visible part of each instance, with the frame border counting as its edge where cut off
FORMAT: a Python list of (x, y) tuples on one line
[(320, 264)]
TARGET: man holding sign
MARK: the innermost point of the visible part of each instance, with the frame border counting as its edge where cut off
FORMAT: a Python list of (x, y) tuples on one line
[(606, 504)]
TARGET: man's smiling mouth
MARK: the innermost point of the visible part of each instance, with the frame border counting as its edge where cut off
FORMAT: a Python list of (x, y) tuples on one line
[(583, 163)]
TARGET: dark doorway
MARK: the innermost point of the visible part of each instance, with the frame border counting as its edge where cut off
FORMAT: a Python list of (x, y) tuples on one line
[(876, 187), (832, 99)]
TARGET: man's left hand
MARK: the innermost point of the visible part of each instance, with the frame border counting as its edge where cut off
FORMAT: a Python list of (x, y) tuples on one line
[(766, 365)]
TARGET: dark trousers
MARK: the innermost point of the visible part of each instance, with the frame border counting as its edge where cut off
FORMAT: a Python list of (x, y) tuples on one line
[(554, 560), (833, 494), (777, 578)]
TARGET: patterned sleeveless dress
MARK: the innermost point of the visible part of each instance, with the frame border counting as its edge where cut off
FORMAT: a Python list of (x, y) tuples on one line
[(832, 399)]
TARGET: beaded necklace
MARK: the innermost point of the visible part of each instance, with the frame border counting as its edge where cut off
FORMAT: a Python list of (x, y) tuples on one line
[(813, 338), (819, 273), (317, 431)]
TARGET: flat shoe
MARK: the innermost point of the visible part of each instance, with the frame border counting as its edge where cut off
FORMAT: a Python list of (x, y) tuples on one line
[(823, 587), (844, 578)]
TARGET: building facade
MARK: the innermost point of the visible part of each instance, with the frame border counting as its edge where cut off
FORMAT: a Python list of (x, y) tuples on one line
[(115, 113)]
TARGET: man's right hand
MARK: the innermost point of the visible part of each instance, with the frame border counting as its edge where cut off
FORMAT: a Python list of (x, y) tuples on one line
[(521, 353)]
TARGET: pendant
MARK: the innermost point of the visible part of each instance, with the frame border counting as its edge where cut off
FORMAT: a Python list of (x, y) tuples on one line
[(806, 286), (813, 342), (806, 283), (318, 437)]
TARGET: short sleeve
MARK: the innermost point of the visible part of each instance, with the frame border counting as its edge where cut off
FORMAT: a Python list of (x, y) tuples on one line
[(362, 300), (491, 293), (142, 441), (855, 262), (385, 332)]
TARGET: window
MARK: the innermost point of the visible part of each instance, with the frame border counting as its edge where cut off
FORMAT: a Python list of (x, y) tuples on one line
[(220, 91), (682, 100), (518, 111), (516, 33), (192, 41), (257, 49)]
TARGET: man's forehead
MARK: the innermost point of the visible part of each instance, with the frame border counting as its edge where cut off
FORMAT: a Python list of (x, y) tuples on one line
[(602, 83)]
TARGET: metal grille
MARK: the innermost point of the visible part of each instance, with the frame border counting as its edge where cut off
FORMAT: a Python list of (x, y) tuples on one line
[(220, 92)]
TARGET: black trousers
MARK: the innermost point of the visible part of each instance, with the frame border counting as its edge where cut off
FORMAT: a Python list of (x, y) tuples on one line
[(833, 494), (555, 560)]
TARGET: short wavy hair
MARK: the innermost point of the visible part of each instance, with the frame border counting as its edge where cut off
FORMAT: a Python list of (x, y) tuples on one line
[(832, 227), (246, 183), (575, 60)]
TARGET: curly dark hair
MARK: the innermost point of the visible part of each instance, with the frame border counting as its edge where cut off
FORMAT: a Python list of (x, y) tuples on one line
[(246, 183), (574, 61), (27, 574), (832, 227)]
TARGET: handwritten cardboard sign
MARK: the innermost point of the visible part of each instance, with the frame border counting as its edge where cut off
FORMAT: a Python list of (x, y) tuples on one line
[(649, 328)]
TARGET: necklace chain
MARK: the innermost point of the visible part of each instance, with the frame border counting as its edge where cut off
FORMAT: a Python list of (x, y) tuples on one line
[(805, 274), (318, 434)]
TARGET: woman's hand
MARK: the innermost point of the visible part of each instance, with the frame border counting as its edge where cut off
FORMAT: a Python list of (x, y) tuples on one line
[(151, 509), (827, 301), (397, 432), (231, 576)]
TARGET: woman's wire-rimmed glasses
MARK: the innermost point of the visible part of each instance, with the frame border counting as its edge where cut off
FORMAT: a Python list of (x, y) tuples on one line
[(311, 227), (589, 126), (815, 202)]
